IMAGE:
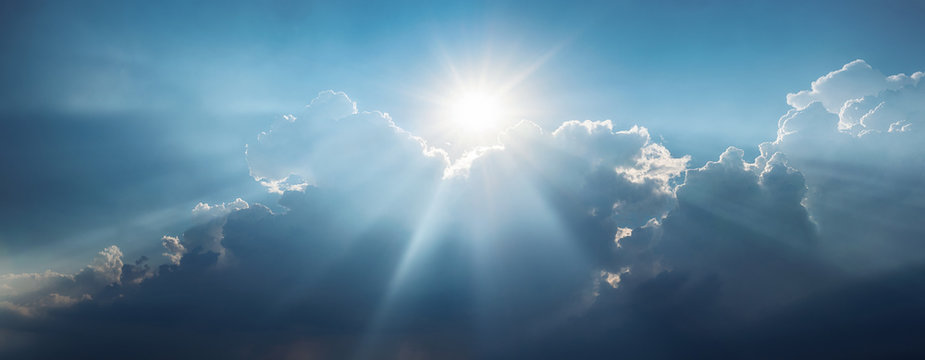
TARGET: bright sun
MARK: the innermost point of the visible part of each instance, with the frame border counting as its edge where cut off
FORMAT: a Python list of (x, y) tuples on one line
[(477, 112)]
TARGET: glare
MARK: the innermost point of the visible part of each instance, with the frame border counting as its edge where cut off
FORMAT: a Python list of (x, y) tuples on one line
[(477, 112), (477, 98)]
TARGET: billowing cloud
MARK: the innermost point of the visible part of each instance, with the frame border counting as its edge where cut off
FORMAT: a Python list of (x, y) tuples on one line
[(855, 80), (33, 293), (585, 241), (860, 149), (207, 211), (332, 144), (370, 205), (174, 249), (735, 215)]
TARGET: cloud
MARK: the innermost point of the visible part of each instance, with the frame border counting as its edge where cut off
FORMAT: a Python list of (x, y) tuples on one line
[(334, 145), (853, 81), (206, 211), (33, 293), (616, 175), (378, 222), (586, 241), (893, 110), (174, 249), (741, 225), (860, 150)]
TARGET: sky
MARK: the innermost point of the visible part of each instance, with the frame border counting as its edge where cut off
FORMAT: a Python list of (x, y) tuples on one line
[(497, 179)]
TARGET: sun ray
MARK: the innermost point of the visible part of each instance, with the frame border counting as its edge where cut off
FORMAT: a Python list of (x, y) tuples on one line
[(424, 232)]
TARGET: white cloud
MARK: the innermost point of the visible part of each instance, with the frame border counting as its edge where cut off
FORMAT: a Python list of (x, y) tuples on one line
[(618, 175), (739, 225), (333, 144), (853, 81), (17, 284), (613, 278), (108, 265), (30, 293), (174, 249), (207, 211), (336, 146), (622, 232), (860, 149), (894, 110), (573, 210)]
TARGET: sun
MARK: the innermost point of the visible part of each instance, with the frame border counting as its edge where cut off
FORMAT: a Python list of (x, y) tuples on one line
[(477, 111)]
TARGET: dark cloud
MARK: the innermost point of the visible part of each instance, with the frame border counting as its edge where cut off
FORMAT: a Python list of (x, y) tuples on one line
[(735, 215), (585, 242)]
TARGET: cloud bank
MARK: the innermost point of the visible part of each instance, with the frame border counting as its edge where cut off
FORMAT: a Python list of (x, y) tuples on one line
[(583, 242)]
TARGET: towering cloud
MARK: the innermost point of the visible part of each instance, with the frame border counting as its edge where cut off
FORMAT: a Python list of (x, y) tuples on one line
[(860, 149)]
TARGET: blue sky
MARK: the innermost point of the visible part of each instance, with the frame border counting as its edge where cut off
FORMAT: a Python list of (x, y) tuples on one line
[(118, 118)]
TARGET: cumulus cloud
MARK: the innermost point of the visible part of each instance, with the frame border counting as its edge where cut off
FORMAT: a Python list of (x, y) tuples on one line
[(618, 176), (207, 211), (332, 144), (371, 205), (31, 293), (733, 214), (108, 265), (583, 241), (174, 249), (893, 110), (206, 234), (860, 148), (853, 81)]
